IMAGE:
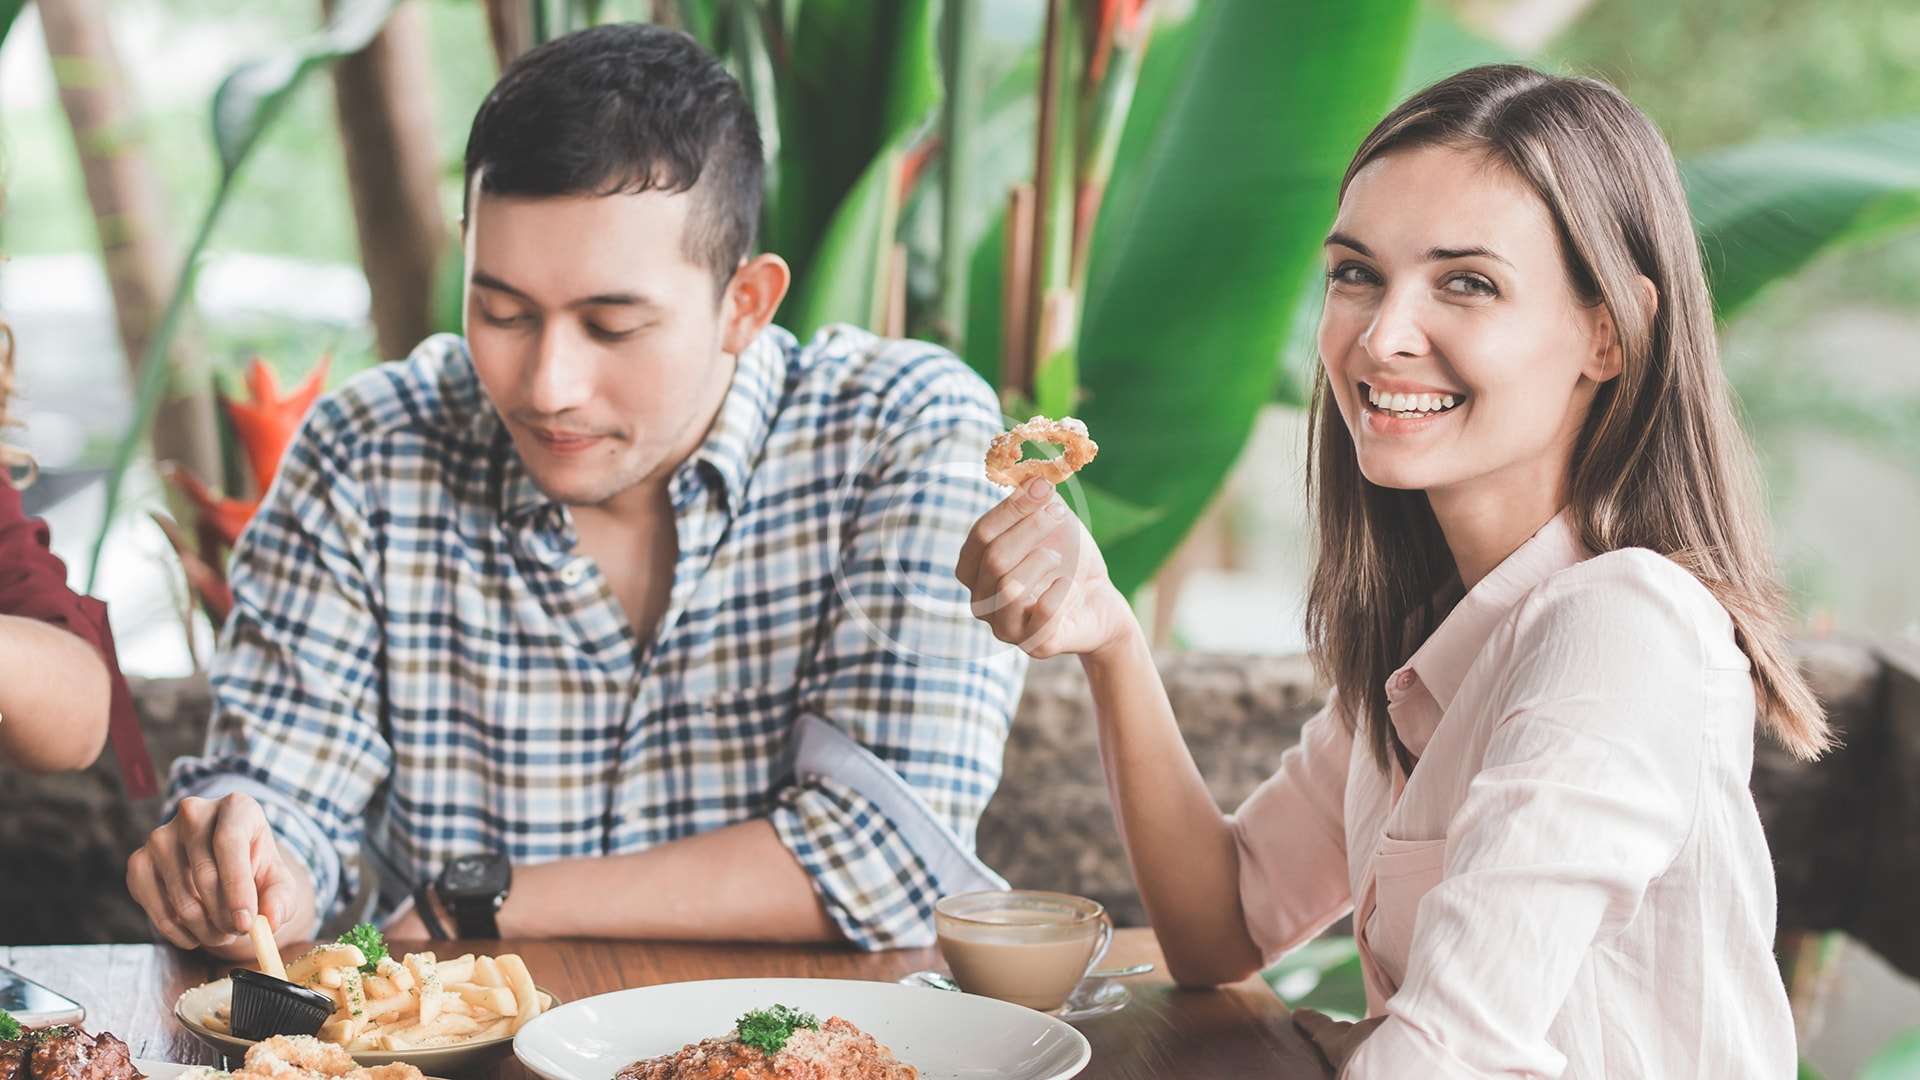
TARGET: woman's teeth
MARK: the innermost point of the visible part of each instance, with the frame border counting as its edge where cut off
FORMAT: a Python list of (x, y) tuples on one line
[(1412, 404)]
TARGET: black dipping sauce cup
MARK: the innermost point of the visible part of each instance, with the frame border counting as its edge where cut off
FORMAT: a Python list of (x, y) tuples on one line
[(264, 1006)]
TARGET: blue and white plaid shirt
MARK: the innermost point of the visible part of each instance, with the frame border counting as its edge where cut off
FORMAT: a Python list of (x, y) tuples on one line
[(418, 667)]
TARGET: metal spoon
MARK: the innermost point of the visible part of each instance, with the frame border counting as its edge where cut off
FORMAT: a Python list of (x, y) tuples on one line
[(1121, 973)]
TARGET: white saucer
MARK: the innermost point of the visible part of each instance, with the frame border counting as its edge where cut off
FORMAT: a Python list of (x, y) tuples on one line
[(1093, 997)]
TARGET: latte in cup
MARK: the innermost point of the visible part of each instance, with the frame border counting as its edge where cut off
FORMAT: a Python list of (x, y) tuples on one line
[(1028, 947)]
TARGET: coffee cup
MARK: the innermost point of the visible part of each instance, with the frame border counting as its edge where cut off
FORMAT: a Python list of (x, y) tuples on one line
[(1022, 945)]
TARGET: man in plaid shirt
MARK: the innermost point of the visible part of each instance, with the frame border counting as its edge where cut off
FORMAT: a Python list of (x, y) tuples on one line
[(627, 595)]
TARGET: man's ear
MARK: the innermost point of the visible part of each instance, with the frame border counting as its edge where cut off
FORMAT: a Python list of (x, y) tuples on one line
[(753, 294)]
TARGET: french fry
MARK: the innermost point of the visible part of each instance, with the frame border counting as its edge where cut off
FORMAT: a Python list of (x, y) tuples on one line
[(498, 1029), (395, 1005), (325, 956), (455, 1025), (524, 993), (266, 950), (487, 973), (497, 1000), (353, 993), (340, 1029), (405, 1038), (218, 1024), (423, 968), (458, 969), (413, 1002), (400, 976)]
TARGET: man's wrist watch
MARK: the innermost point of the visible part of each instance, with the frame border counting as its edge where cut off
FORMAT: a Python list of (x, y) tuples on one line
[(472, 888)]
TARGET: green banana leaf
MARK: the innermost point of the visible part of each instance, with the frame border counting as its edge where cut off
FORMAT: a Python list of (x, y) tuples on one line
[(1003, 136), (984, 278), (701, 18), (1765, 209), (9, 11), (1223, 191), (253, 95), (244, 106), (1442, 46), (849, 270), (1109, 518), (1898, 1060), (857, 79), (1323, 975)]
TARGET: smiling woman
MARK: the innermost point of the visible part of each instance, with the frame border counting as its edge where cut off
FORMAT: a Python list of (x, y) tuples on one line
[(1544, 602)]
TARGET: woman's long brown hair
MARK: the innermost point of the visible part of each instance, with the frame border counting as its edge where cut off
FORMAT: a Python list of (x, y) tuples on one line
[(1661, 462)]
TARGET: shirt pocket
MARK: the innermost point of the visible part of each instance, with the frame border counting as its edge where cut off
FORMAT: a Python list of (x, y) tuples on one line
[(1403, 872)]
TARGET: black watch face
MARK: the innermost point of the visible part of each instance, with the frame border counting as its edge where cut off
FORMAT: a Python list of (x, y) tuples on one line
[(475, 876)]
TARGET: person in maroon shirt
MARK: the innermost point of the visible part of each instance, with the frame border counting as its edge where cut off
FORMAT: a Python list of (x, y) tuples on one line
[(61, 692)]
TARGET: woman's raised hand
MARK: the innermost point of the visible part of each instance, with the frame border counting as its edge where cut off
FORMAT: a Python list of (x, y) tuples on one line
[(1038, 580)]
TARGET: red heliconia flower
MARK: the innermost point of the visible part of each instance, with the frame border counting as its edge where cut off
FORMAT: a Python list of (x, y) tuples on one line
[(1110, 19), (265, 422), (913, 163), (228, 517), (204, 577)]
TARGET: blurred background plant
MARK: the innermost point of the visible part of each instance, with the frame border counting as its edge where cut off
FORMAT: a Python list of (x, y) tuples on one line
[(1109, 207), (1052, 219)]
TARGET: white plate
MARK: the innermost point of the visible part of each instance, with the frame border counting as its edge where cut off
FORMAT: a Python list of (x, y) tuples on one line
[(162, 1070), (167, 1070), (947, 1036)]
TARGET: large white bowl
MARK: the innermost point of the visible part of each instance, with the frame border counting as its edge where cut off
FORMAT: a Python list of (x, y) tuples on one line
[(947, 1036)]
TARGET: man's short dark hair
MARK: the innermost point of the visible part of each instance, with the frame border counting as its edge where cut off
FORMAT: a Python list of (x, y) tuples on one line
[(622, 109)]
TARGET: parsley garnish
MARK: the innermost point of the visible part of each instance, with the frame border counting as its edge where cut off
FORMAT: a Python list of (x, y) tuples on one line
[(370, 943), (769, 1029), (11, 1030)]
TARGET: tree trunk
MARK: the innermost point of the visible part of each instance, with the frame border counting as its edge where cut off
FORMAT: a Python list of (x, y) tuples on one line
[(124, 196), (385, 106), (510, 28)]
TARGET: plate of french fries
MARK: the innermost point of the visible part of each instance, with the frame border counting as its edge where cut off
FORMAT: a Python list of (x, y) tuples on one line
[(440, 1015)]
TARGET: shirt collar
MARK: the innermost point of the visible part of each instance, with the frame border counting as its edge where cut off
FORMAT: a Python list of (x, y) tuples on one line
[(1442, 661), (730, 450), (732, 446)]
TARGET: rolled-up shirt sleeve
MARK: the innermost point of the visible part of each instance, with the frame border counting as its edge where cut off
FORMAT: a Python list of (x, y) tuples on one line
[(1290, 835), (296, 681), (1587, 792), (909, 698)]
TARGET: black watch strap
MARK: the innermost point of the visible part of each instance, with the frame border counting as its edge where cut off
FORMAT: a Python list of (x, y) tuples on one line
[(474, 918), (423, 903)]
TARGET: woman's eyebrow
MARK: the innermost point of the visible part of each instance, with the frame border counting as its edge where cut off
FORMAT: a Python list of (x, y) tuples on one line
[(1442, 254), (1434, 254), (1343, 240)]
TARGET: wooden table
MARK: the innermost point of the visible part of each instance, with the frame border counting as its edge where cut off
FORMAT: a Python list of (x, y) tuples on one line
[(1166, 1032)]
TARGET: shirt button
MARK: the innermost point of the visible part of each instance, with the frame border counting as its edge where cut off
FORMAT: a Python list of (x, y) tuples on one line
[(574, 571)]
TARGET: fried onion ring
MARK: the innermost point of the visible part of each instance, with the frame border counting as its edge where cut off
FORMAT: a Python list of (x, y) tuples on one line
[(1004, 466)]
